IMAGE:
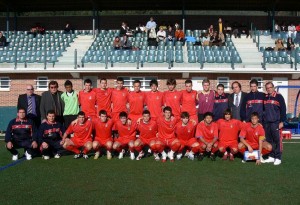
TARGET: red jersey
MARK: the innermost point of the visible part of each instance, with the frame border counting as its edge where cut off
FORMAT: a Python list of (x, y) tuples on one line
[(82, 132), (252, 134), (154, 102), (208, 132), (166, 129), (189, 102), (136, 102), (119, 100), (229, 130), (103, 130), (88, 101), (185, 132), (126, 131), (147, 130), (173, 99), (104, 100)]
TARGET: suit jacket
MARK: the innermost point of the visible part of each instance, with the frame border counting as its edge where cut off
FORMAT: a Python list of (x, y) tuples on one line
[(23, 103), (231, 100), (47, 103)]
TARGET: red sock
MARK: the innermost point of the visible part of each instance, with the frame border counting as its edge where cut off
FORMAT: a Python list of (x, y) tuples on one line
[(73, 149), (265, 151), (242, 150), (138, 148), (214, 149), (86, 151), (119, 149), (180, 148), (153, 148), (175, 147), (232, 152), (131, 149)]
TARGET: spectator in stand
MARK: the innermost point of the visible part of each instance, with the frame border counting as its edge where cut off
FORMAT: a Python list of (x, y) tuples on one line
[(68, 29), (2, 39), (140, 28), (126, 43), (220, 26), (221, 39), (279, 45), (31, 103), (211, 30), (117, 43), (283, 27), (290, 44), (292, 30), (51, 100), (152, 37), (227, 28), (151, 24), (205, 39), (277, 28), (297, 39), (161, 34), (214, 40), (170, 34), (179, 35), (124, 29), (236, 31), (37, 29)]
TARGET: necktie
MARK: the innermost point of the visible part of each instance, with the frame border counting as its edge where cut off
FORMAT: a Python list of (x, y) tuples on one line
[(236, 100), (29, 110)]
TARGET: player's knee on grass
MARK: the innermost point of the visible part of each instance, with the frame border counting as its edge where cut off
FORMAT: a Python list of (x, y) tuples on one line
[(203, 147), (131, 144), (116, 145), (267, 146), (137, 143), (109, 144), (221, 149), (234, 150)]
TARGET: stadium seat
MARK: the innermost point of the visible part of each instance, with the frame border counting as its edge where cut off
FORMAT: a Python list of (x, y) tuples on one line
[(219, 59), (160, 59), (227, 59), (210, 59), (151, 58), (132, 58), (237, 59), (192, 59), (123, 59), (179, 58)]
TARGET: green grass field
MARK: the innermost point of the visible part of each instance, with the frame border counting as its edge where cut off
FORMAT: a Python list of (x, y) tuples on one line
[(70, 181)]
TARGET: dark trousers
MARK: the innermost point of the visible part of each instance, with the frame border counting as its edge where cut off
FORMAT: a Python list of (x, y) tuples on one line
[(59, 119), (17, 144), (54, 147), (68, 119), (273, 137)]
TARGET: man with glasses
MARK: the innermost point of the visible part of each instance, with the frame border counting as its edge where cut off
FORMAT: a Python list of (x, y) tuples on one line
[(31, 102), (51, 100), (274, 117)]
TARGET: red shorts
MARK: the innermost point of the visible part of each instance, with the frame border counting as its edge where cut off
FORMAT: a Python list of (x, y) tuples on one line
[(103, 142), (255, 146), (214, 145), (188, 143), (167, 142), (228, 144), (146, 141), (80, 142), (124, 141)]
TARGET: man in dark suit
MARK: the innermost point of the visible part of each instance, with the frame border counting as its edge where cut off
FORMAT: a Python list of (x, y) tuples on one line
[(31, 103), (51, 100), (235, 100)]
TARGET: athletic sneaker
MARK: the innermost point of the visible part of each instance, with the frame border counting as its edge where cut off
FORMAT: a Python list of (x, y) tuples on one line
[(108, 155), (171, 156), (97, 154), (121, 154), (231, 157), (179, 156), (77, 156), (277, 162), (140, 156), (163, 156), (213, 157), (156, 157), (269, 160), (243, 161), (191, 156), (15, 157), (225, 156), (57, 156), (132, 156), (45, 157), (186, 154), (85, 156), (200, 157), (28, 156)]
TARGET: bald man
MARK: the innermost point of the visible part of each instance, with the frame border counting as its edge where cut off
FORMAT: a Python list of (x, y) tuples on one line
[(31, 103)]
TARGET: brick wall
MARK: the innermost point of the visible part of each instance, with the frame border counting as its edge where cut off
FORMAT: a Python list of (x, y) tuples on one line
[(19, 82)]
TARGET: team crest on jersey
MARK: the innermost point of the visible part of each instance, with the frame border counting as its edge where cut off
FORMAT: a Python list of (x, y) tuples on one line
[(123, 94), (157, 97), (106, 93), (256, 133), (106, 125), (150, 128), (231, 126), (189, 131), (211, 131), (175, 96), (86, 129), (171, 126), (26, 126), (193, 96), (141, 97), (90, 97), (128, 128)]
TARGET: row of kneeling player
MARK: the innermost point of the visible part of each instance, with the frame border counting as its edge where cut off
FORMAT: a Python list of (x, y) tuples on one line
[(165, 137)]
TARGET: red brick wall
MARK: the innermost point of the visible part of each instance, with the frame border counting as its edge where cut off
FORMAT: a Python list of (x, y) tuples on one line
[(19, 82)]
